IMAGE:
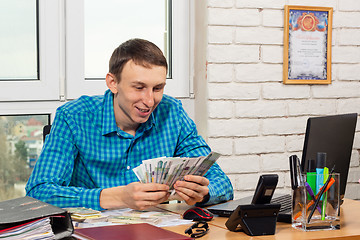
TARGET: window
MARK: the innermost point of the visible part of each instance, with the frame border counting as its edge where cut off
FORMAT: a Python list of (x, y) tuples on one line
[(88, 22), (18, 58), (112, 22), (47, 42), (63, 43), (36, 74), (21, 142)]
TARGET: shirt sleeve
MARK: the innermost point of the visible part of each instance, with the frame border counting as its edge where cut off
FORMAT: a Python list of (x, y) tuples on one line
[(191, 144), (220, 187), (51, 177)]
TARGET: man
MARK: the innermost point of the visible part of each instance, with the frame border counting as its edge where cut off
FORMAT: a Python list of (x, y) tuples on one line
[(95, 142)]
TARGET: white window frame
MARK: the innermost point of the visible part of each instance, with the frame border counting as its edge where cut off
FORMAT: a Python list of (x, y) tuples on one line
[(76, 84), (61, 56), (29, 108), (47, 87)]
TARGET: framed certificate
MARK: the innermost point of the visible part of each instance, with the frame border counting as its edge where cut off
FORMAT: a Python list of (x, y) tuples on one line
[(307, 45)]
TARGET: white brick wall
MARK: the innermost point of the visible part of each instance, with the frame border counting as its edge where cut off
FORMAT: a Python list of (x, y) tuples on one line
[(236, 17), (221, 109), (320, 3), (277, 91), (294, 143), (258, 35), (233, 53), (256, 109), (273, 18), (272, 54), (283, 126), (254, 120), (233, 91), (233, 127), (260, 144), (278, 4), (214, 70), (346, 54), (348, 71), (349, 5), (221, 3), (260, 72), (313, 107), (221, 34), (349, 36), (346, 19)]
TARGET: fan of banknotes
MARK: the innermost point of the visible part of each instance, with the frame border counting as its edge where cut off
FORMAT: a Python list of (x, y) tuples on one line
[(167, 170)]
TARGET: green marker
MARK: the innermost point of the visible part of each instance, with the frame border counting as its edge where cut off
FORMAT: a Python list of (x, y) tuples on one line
[(311, 176), (323, 210)]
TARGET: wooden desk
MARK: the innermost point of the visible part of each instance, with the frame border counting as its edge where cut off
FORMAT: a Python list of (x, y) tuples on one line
[(349, 221)]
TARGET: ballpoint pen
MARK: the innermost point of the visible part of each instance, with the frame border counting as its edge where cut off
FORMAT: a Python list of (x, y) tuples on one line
[(320, 194)]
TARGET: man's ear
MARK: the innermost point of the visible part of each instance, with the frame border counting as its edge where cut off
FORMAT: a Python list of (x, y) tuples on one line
[(111, 82)]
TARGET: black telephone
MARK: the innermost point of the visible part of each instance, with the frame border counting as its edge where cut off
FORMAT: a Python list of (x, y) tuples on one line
[(265, 188), (259, 217)]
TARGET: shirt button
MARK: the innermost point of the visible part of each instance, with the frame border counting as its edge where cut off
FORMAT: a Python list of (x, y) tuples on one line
[(128, 167)]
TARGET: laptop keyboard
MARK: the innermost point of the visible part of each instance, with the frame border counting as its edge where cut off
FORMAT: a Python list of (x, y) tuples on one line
[(285, 201)]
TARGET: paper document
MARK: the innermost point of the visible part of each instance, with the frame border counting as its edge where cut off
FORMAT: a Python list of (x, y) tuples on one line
[(37, 229), (153, 216)]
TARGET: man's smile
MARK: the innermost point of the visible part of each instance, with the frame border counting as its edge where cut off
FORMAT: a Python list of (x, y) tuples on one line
[(143, 110)]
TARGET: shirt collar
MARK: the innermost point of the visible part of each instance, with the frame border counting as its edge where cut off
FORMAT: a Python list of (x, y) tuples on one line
[(108, 117), (147, 125)]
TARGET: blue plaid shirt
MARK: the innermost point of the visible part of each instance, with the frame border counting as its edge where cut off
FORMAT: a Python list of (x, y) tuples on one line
[(86, 152)]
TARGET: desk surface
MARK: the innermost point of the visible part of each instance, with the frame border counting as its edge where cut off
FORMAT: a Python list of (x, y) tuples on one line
[(349, 221)]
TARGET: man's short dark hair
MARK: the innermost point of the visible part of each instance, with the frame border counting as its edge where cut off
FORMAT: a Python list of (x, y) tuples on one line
[(140, 51)]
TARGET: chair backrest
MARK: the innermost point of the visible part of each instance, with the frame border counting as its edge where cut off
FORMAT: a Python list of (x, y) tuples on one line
[(46, 131)]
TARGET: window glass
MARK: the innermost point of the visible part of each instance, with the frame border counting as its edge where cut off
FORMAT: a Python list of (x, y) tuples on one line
[(21, 142), (112, 22), (18, 41)]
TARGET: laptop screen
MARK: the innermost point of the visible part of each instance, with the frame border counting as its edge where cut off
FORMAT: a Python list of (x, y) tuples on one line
[(333, 135)]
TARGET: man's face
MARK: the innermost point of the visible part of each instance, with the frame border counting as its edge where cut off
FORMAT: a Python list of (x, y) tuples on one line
[(137, 94)]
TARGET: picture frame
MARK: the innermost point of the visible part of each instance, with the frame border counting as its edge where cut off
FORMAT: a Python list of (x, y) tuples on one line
[(307, 45)]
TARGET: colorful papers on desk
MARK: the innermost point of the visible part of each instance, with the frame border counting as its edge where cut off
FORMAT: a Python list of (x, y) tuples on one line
[(130, 216), (154, 216), (168, 170)]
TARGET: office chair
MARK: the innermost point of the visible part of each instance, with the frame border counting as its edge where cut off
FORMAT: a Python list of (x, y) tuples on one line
[(46, 131)]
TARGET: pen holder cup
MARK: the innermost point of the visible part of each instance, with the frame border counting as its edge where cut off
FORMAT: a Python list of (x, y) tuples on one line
[(326, 215)]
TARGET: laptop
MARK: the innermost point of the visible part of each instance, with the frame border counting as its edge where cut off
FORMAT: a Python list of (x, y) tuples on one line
[(331, 134)]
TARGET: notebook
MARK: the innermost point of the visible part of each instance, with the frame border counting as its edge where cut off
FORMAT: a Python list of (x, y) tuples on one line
[(331, 134), (127, 232)]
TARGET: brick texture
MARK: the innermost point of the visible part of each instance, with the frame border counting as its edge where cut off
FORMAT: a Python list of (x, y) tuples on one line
[(254, 120)]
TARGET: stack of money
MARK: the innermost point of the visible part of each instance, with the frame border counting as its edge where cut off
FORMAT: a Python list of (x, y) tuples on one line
[(81, 214), (167, 170)]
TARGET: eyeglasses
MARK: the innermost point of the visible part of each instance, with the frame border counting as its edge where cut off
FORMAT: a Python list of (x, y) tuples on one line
[(200, 229)]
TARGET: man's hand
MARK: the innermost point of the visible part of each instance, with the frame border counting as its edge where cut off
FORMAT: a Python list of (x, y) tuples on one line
[(193, 189), (135, 195)]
